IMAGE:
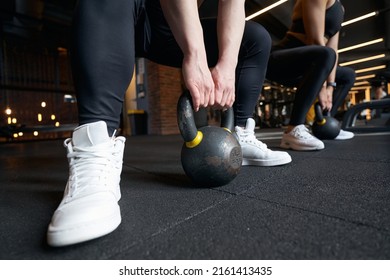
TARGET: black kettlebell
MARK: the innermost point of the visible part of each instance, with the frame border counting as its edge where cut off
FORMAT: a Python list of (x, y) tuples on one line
[(324, 127), (210, 156)]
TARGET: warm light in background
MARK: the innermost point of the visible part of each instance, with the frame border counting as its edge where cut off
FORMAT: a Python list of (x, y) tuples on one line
[(43, 104), (361, 87), (62, 50), (9, 120), (53, 117), (35, 133), (370, 69), (14, 120), (365, 77), (361, 83), (57, 124), (359, 18), (361, 45), (39, 117), (363, 59), (265, 9), (8, 111)]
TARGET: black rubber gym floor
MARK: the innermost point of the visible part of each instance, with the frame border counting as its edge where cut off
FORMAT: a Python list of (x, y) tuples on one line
[(330, 204)]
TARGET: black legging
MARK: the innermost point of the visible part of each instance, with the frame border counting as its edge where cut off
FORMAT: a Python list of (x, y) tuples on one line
[(307, 67), (108, 35), (345, 78)]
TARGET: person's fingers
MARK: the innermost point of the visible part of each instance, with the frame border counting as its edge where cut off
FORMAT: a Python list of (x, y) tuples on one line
[(211, 98), (208, 95), (197, 98), (231, 99)]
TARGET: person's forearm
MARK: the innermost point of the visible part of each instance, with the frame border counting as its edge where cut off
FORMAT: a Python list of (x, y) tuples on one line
[(333, 43), (231, 23), (183, 19)]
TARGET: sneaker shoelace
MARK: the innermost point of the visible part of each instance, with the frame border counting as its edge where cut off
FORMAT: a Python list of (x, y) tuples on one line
[(302, 132), (93, 167)]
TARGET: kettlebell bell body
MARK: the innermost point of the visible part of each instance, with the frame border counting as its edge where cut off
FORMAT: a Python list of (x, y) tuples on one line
[(324, 127), (211, 156)]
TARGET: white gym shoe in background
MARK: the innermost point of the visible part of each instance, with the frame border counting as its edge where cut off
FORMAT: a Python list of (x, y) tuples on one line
[(344, 135), (300, 139), (89, 208), (254, 152)]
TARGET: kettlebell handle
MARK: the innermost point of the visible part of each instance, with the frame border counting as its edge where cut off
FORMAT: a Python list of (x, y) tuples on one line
[(319, 115), (186, 120), (227, 119)]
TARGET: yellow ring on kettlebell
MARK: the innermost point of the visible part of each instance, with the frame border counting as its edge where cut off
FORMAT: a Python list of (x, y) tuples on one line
[(227, 129), (322, 122), (196, 141)]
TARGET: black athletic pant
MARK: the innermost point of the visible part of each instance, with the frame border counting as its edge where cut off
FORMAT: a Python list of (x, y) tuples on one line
[(109, 34), (345, 78), (307, 67)]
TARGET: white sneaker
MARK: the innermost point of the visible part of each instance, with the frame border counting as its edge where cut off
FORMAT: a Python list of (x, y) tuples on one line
[(300, 139), (254, 152), (89, 208), (344, 135)]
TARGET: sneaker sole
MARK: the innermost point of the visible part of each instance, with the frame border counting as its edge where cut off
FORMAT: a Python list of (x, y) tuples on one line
[(300, 148), (86, 232), (343, 138), (255, 162)]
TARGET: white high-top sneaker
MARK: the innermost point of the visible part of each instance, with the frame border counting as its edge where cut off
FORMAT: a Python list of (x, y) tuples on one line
[(300, 139), (255, 152), (89, 208)]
